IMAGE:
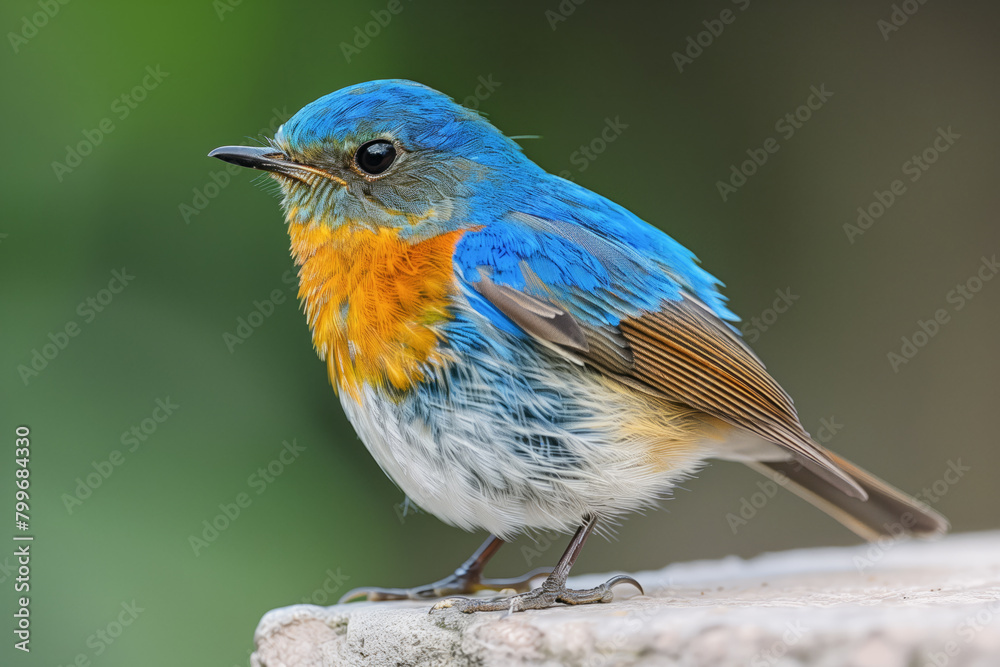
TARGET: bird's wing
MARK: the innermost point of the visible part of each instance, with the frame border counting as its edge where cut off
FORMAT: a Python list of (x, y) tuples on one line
[(631, 303)]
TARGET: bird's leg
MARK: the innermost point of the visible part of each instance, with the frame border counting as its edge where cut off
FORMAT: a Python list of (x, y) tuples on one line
[(552, 591), (467, 579)]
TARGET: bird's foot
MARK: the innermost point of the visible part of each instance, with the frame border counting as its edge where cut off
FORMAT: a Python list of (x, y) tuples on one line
[(548, 595), (459, 583)]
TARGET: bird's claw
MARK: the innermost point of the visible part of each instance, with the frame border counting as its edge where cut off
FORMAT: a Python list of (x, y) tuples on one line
[(456, 584), (548, 595)]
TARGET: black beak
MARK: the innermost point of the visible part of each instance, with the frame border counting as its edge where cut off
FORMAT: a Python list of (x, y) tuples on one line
[(271, 159), (263, 158)]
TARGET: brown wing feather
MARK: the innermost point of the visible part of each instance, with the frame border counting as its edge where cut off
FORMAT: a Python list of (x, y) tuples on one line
[(692, 357), (542, 319), (685, 354)]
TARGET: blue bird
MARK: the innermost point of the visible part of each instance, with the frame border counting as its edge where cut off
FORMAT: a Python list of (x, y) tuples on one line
[(517, 352)]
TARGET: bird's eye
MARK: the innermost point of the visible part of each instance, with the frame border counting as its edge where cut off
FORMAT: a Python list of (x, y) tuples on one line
[(375, 157)]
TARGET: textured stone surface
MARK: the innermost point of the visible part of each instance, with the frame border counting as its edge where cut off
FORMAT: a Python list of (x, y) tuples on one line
[(904, 604)]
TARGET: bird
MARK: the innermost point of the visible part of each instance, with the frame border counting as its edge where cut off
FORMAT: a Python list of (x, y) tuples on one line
[(517, 352)]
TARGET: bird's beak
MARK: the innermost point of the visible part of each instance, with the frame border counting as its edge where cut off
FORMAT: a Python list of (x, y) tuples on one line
[(264, 158), (267, 158)]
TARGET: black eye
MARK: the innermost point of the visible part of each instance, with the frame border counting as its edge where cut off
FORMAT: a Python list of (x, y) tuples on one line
[(375, 156)]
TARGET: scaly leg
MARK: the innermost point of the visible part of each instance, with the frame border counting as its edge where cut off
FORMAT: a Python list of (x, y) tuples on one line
[(467, 579), (552, 591)]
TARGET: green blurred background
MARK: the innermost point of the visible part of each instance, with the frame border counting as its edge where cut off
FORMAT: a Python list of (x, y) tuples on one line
[(330, 518)]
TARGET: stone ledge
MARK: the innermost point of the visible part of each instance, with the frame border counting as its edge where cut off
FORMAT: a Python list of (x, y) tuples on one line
[(906, 604)]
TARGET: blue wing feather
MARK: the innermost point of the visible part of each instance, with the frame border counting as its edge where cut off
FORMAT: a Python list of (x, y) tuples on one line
[(589, 254)]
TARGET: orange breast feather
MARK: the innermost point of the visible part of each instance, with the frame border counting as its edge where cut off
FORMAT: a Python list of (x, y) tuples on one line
[(374, 301)]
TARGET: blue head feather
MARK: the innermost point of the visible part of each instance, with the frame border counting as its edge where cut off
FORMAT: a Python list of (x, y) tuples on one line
[(417, 116), (460, 172)]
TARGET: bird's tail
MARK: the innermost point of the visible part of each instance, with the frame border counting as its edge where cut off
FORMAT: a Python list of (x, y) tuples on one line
[(888, 511)]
